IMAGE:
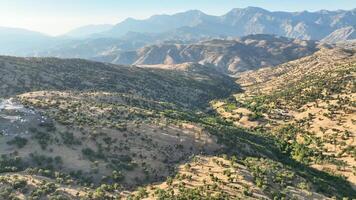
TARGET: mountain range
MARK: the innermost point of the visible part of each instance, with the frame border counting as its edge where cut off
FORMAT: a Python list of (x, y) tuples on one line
[(240, 22), (184, 27), (228, 56)]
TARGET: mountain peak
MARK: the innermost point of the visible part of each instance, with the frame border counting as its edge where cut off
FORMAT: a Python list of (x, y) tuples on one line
[(128, 20), (252, 8), (190, 13), (194, 11), (247, 9)]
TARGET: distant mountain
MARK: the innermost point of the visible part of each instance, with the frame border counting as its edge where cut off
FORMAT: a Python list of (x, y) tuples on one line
[(86, 31), (97, 46), (15, 41), (108, 46), (229, 56), (193, 26), (182, 28), (88, 48), (340, 35), (240, 22), (160, 23)]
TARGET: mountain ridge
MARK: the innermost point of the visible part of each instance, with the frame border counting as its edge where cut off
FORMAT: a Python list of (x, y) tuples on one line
[(229, 56), (340, 35), (195, 26), (288, 24)]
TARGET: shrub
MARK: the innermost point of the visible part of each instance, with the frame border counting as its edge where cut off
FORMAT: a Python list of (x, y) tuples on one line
[(18, 141)]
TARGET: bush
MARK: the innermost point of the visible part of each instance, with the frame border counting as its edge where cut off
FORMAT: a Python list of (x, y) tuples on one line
[(9, 164), (18, 141)]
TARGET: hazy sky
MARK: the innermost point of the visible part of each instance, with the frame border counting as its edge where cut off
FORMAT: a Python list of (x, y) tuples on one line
[(56, 17)]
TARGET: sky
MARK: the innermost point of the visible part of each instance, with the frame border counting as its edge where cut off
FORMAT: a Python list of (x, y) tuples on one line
[(55, 17)]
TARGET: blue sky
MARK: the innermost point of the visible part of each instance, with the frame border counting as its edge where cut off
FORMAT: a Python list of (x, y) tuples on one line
[(59, 16)]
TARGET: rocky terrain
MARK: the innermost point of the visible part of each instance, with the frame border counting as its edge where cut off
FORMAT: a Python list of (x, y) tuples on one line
[(228, 56), (14, 117), (341, 35)]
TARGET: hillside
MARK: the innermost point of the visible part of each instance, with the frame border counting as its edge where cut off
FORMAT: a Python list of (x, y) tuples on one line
[(307, 103), (75, 129), (195, 85), (229, 56)]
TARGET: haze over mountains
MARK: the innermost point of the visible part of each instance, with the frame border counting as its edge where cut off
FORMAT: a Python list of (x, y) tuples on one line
[(16, 41), (88, 30), (184, 27)]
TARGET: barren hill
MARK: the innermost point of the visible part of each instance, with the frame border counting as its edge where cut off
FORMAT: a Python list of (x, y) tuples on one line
[(229, 56)]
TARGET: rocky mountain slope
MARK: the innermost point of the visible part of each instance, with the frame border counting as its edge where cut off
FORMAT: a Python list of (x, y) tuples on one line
[(340, 35), (229, 56)]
